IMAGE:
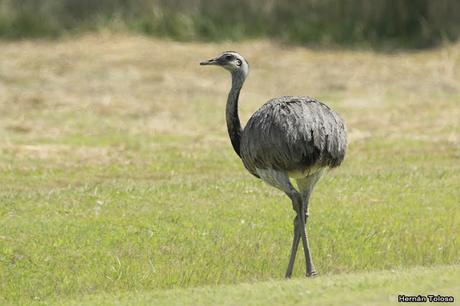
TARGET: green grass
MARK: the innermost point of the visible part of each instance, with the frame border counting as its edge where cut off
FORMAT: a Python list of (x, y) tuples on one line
[(371, 288), (196, 219), (117, 176)]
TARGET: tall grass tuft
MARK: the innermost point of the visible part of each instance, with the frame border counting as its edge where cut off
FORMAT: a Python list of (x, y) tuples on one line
[(415, 23)]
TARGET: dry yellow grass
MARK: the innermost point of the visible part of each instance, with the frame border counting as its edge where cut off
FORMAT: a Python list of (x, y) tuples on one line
[(157, 86)]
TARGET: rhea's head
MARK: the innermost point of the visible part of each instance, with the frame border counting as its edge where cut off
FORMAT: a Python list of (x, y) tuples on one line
[(231, 61)]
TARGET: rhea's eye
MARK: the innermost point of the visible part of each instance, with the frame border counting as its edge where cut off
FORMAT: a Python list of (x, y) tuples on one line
[(238, 62)]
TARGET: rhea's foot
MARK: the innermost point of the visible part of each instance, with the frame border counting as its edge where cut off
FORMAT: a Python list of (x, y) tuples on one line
[(312, 274)]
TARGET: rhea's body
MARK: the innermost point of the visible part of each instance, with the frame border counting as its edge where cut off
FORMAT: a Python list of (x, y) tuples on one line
[(299, 135)]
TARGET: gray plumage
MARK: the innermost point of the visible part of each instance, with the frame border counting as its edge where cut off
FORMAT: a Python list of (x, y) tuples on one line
[(293, 134), (288, 138)]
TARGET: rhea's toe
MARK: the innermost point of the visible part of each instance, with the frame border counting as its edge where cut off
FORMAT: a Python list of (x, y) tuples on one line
[(312, 274)]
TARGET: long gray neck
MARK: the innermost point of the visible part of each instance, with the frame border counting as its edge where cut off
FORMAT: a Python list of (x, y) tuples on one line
[(233, 120)]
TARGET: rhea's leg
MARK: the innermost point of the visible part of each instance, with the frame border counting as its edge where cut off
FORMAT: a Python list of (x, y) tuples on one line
[(280, 180), (306, 186), (295, 245), (309, 262), (297, 206)]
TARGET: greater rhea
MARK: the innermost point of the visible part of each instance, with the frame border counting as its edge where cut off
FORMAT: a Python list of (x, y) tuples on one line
[(287, 138)]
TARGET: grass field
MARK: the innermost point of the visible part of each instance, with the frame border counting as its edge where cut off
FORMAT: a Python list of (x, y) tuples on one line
[(117, 180), (371, 288)]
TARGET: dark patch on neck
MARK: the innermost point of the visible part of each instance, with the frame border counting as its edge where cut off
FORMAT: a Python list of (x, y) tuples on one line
[(233, 121)]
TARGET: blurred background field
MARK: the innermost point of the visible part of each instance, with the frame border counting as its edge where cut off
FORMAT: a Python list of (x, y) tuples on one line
[(416, 23), (118, 181)]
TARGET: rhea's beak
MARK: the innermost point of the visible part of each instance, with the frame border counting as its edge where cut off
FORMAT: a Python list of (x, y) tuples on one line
[(210, 62)]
